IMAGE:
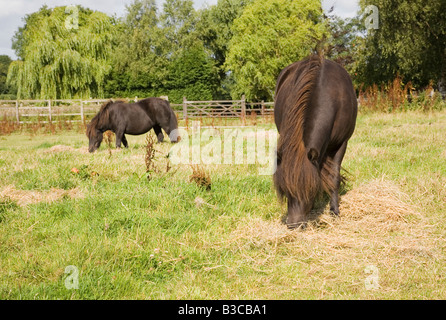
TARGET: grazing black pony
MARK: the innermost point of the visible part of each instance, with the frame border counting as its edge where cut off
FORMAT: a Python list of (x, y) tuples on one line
[(132, 118), (315, 113)]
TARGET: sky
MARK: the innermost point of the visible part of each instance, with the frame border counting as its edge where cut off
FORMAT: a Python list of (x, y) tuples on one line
[(12, 12)]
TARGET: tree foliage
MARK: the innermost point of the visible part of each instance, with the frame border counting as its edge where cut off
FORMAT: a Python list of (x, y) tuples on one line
[(215, 30), (138, 61), (192, 74), (269, 35), (5, 90), (225, 50), (60, 62), (341, 42), (410, 41), (160, 53)]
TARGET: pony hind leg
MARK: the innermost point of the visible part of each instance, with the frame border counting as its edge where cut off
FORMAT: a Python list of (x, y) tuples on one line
[(124, 141), (331, 177), (120, 138), (118, 141)]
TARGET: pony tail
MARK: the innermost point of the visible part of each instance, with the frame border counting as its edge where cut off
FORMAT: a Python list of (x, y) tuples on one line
[(300, 178), (328, 174), (329, 171)]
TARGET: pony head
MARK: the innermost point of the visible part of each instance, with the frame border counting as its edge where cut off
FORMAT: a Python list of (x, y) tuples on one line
[(97, 127), (95, 137)]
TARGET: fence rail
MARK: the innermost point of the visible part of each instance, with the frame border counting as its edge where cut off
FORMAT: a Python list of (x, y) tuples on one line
[(82, 110), (50, 109)]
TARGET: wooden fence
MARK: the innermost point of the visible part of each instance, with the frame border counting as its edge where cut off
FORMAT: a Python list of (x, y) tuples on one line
[(51, 110), (22, 111)]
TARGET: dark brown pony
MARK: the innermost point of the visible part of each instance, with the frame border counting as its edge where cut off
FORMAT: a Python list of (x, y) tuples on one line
[(132, 118), (315, 113)]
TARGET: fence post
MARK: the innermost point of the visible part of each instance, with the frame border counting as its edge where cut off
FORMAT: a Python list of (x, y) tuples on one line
[(243, 115), (184, 108), (262, 112), (49, 110), (17, 115), (82, 111)]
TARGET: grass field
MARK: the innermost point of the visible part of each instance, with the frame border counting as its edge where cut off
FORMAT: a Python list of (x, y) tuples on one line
[(123, 236)]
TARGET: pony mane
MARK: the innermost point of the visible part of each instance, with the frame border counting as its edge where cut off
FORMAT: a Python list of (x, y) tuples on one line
[(297, 176), (100, 119)]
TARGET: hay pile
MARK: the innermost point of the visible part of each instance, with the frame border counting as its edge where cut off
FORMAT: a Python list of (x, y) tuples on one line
[(378, 226), (64, 148), (379, 205), (59, 148), (380, 200), (26, 197)]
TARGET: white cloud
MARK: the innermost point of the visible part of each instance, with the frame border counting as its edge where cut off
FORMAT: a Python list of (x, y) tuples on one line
[(11, 7)]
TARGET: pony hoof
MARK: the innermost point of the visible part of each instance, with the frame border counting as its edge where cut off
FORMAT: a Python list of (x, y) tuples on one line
[(297, 225), (334, 213)]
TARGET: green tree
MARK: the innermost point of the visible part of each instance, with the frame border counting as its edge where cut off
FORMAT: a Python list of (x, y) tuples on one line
[(179, 20), (215, 30), (410, 41), (190, 73), (269, 35), (160, 53), (193, 75), (63, 53), (139, 59), (341, 41), (5, 90)]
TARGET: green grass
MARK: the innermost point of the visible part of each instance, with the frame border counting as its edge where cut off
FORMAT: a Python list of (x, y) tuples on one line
[(134, 238)]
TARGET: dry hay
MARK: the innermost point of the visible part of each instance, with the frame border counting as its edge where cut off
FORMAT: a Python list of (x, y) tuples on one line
[(379, 205), (200, 177), (83, 150), (26, 197), (381, 199), (59, 148), (64, 148), (378, 225)]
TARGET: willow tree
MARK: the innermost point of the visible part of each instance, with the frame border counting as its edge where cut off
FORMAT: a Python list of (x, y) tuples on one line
[(269, 35), (63, 53)]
